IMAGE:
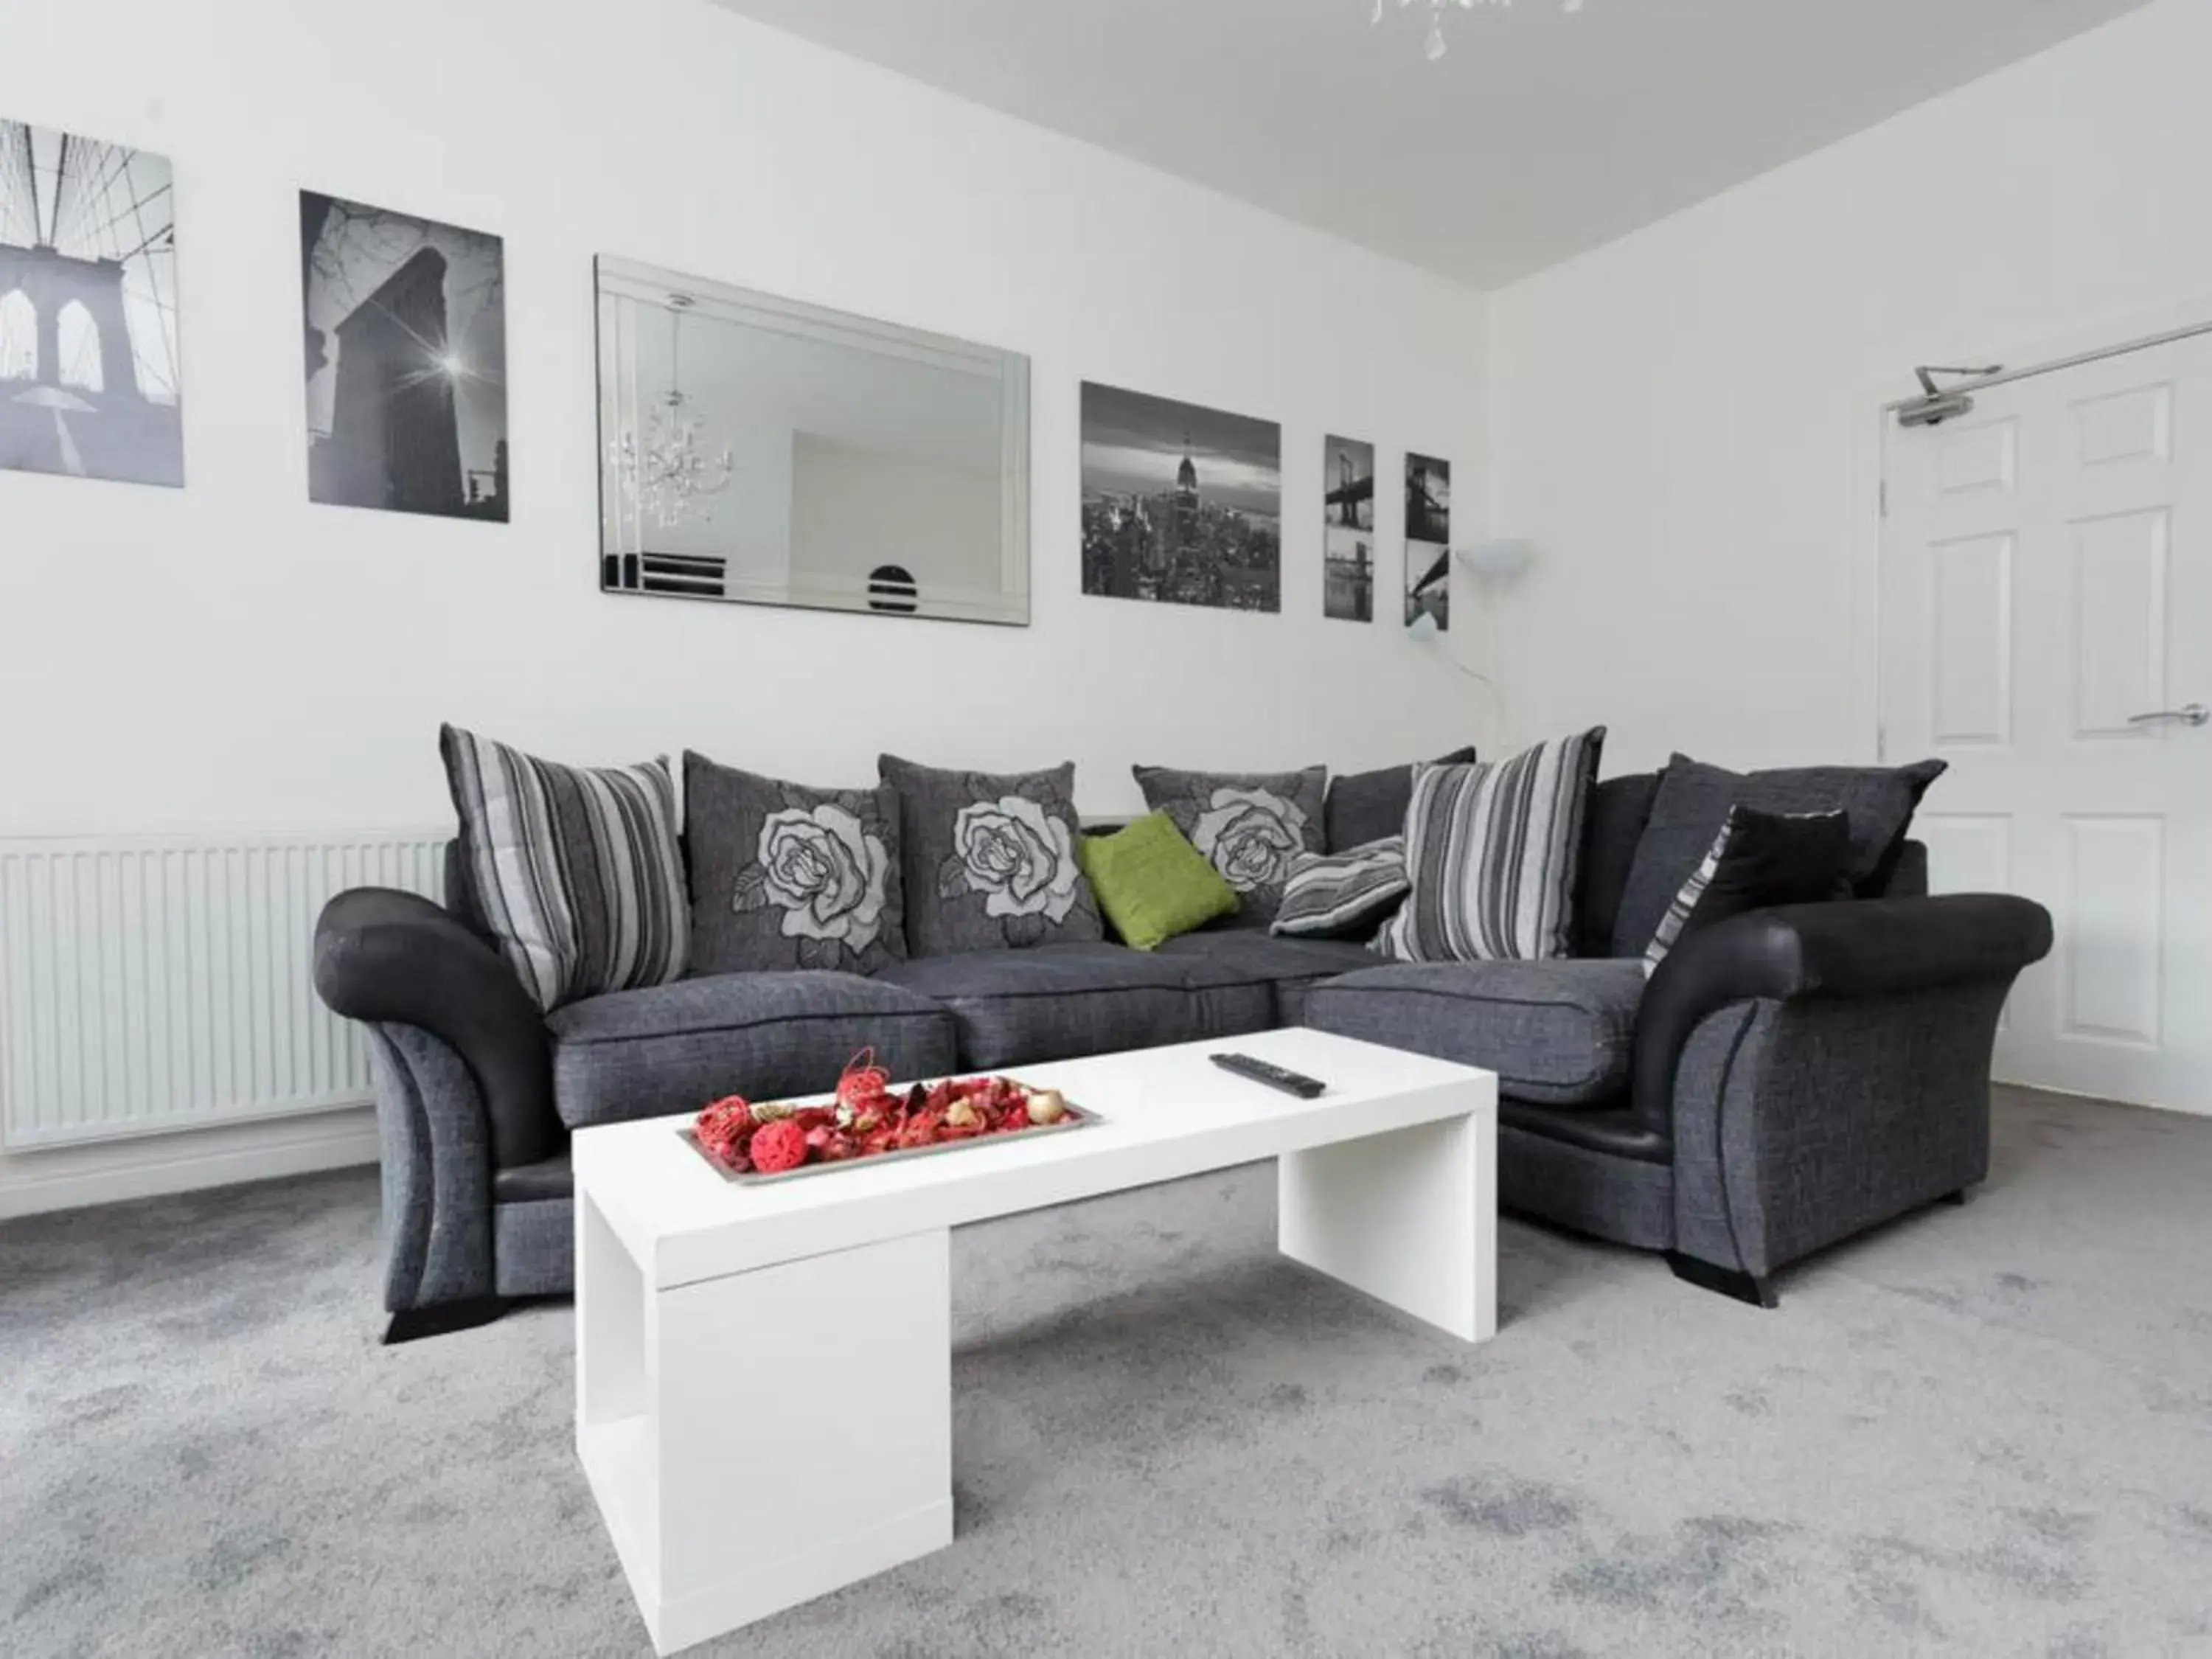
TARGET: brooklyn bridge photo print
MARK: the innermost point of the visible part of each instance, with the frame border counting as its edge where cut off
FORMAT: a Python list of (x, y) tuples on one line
[(89, 383)]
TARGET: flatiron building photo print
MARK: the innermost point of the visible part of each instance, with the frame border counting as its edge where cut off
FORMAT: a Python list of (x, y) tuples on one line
[(406, 361)]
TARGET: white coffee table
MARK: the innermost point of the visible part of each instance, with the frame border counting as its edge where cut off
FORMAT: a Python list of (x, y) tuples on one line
[(700, 1302)]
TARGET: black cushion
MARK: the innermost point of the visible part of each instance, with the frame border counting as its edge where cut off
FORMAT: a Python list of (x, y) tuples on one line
[(1613, 824), (1693, 800), (1366, 807), (1559, 1030), (1760, 859)]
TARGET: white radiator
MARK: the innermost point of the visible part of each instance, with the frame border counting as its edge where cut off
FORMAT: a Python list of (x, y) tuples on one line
[(154, 984)]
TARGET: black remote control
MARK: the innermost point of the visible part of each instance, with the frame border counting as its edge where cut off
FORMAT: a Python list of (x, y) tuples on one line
[(1291, 1082)]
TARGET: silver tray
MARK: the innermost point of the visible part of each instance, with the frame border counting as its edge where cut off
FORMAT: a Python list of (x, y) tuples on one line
[(1076, 1118)]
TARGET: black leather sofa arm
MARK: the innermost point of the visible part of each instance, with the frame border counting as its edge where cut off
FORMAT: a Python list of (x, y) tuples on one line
[(390, 957), (1856, 948)]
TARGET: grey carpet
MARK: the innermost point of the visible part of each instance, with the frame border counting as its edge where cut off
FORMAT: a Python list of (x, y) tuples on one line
[(1986, 1429)]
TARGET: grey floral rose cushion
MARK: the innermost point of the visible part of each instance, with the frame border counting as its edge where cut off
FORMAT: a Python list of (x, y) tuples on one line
[(1250, 825), (784, 877), (990, 859)]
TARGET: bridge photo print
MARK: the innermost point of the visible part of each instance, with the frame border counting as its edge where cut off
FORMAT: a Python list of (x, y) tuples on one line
[(89, 382), (1348, 529)]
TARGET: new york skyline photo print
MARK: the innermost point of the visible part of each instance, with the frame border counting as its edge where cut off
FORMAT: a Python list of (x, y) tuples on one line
[(406, 361), (90, 385), (1347, 529), (1428, 539), (1181, 505)]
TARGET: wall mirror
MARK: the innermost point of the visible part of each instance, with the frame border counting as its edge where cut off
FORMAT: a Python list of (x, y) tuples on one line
[(757, 450)]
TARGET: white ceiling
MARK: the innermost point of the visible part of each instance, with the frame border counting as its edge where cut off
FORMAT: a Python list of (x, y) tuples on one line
[(1539, 135)]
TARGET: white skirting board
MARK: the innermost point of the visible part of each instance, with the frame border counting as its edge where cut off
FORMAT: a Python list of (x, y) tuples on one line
[(154, 985), (111, 1171)]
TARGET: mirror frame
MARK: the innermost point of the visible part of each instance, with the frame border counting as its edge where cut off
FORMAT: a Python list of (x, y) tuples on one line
[(624, 539)]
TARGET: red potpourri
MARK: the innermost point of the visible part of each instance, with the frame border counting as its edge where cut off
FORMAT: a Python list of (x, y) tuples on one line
[(870, 1118)]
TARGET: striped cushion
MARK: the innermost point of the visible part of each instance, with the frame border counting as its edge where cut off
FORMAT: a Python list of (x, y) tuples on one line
[(1331, 895), (1492, 851), (576, 871)]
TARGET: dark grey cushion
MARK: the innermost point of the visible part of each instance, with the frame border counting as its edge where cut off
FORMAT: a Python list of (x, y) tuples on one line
[(990, 859), (1613, 824), (1366, 807), (1250, 825), (783, 876), (674, 1048), (1693, 800), (1289, 966), (1064, 1001), (1559, 1031)]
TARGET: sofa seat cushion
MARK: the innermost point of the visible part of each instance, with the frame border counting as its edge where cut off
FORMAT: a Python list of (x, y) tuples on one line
[(1286, 965), (1558, 1032), (1023, 1007), (674, 1048)]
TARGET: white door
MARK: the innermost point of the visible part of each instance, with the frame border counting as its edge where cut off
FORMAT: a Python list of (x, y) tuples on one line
[(2046, 598)]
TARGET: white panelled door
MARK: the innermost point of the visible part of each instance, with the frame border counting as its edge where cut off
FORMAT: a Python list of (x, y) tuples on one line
[(2047, 597)]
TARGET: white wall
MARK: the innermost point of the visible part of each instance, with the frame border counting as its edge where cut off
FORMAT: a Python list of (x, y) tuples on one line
[(230, 655), (1682, 418)]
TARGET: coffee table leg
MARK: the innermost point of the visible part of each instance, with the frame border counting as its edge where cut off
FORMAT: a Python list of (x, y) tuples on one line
[(1410, 1217), (769, 1437)]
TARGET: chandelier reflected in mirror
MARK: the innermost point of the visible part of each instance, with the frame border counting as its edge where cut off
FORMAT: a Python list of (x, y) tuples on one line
[(667, 471), (1436, 46)]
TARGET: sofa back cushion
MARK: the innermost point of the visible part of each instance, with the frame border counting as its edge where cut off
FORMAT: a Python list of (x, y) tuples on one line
[(1758, 860), (1692, 802), (784, 876), (575, 870), (1492, 853), (990, 859), (1364, 807), (1250, 825), (1611, 826)]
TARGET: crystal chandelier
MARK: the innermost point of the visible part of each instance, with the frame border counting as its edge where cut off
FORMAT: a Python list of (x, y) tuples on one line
[(1435, 48), (668, 472)]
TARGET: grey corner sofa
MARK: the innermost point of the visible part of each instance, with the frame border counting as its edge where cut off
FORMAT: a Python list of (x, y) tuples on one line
[(1784, 1080)]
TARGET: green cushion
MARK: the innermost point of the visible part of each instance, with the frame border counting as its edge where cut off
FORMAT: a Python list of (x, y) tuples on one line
[(1151, 883)]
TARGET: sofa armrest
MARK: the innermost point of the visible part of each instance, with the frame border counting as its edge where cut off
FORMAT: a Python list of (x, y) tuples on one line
[(394, 958), (1853, 948)]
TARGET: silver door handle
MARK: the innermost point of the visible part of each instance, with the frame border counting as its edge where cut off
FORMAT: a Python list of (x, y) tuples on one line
[(2189, 713)]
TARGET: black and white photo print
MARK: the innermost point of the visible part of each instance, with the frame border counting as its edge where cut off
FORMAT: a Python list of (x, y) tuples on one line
[(1428, 539), (88, 382), (406, 361), (1348, 529), (1181, 504)]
